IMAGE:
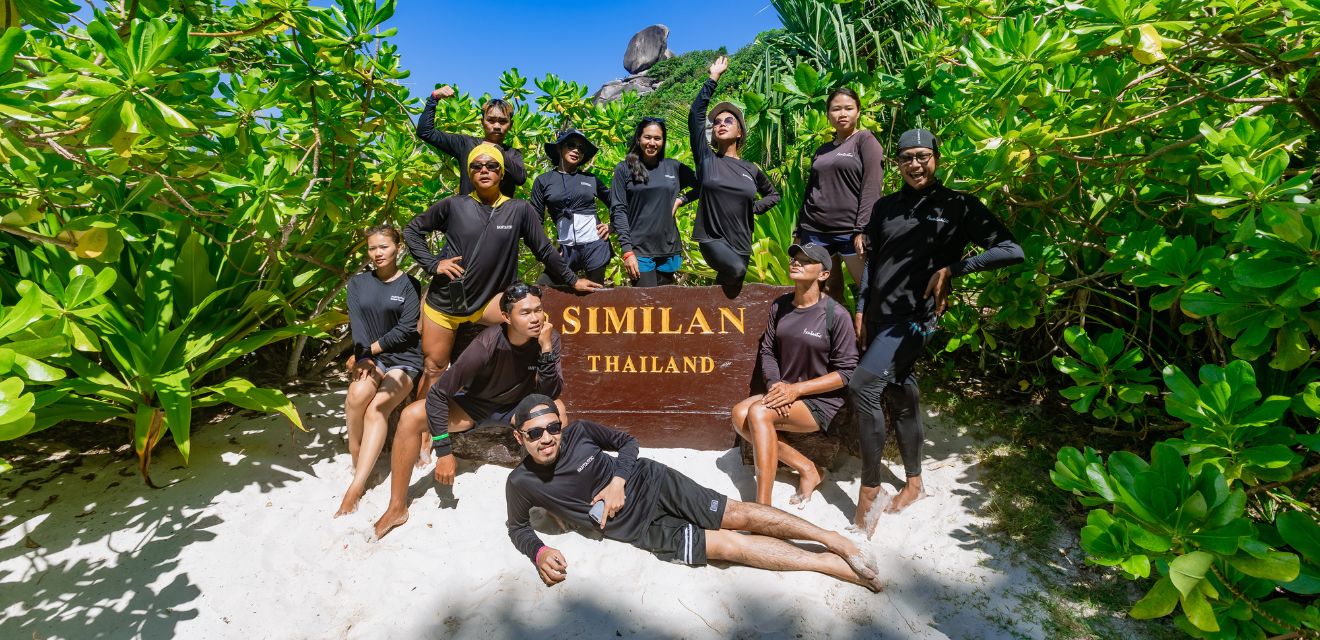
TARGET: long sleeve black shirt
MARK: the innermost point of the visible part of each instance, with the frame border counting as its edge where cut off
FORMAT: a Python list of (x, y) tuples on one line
[(492, 371), (729, 186), (570, 199), (459, 146), (385, 312), (643, 212), (913, 234), (566, 486), (490, 262), (798, 346), (844, 183)]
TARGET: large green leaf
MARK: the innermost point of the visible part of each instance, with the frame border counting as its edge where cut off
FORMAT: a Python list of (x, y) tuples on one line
[(241, 393)]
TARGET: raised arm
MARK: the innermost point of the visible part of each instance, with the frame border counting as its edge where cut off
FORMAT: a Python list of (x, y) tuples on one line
[(549, 371), (515, 172), (450, 144), (697, 114)]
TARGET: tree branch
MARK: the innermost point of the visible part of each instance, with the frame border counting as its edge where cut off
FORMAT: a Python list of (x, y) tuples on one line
[(234, 34)]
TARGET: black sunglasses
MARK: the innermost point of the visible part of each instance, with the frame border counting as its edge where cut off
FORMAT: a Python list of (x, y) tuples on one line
[(491, 166), (726, 120), (536, 433)]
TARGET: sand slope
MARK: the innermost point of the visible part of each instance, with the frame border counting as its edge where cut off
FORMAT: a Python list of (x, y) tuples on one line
[(243, 546)]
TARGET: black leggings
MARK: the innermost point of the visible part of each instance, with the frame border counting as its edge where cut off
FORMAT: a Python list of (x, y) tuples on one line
[(885, 370), (729, 265), (653, 278)]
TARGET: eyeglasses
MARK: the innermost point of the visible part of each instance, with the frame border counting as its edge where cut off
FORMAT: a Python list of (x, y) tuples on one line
[(536, 433), (904, 158), (728, 120), (491, 166)]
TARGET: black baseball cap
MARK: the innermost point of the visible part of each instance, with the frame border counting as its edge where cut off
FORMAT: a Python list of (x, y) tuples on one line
[(813, 251)]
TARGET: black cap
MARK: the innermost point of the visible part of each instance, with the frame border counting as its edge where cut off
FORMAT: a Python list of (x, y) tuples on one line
[(813, 251), (918, 138), (523, 412), (552, 148)]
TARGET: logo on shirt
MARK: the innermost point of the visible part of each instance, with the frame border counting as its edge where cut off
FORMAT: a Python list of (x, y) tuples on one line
[(670, 177), (844, 154), (938, 217), (585, 184), (747, 176), (814, 334), (584, 464), (396, 298), (503, 227), (714, 506)]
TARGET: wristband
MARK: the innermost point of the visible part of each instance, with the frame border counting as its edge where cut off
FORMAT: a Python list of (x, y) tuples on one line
[(628, 254), (539, 552), (435, 439)]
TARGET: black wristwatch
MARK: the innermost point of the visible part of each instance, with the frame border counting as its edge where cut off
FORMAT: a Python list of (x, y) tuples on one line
[(548, 357)]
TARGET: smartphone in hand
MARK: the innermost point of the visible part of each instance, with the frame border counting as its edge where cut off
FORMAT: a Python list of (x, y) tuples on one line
[(597, 511)]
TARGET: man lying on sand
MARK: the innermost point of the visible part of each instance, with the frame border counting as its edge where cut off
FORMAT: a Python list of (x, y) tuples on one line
[(651, 506), (501, 366)]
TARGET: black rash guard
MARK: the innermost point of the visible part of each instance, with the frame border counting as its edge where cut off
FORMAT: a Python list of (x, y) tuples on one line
[(844, 184), (490, 268), (565, 487), (729, 186), (913, 234), (492, 372), (798, 346), (643, 212), (459, 146), (385, 312), (570, 199)]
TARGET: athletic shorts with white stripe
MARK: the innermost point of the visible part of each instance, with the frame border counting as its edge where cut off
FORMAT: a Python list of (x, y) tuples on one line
[(683, 512)]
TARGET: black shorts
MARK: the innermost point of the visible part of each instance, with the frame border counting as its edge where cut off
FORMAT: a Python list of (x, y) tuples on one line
[(484, 413), (587, 256), (821, 414), (683, 512)]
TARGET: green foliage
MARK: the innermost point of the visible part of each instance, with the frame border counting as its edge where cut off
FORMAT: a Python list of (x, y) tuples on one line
[(1109, 382)]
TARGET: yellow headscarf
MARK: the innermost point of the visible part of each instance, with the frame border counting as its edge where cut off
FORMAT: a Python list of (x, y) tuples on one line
[(488, 149)]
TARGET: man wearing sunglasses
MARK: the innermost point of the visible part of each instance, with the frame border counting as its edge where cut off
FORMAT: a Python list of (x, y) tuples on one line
[(651, 506), (501, 366), (918, 238)]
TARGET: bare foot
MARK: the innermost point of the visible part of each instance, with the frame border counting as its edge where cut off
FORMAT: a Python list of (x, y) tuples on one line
[(424, 456), (393, 517), (911, 492), (807, 483), (870, 504), (350, 502), (860, 562)]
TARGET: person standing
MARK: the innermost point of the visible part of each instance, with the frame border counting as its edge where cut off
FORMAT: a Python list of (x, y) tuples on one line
[(645, 195), (383, 308), (569, 195), (496, 119), (807, 356), (733, 190), (917, 239), (847, 175)]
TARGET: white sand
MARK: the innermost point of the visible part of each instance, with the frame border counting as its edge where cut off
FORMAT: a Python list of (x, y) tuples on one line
[(244, 546)]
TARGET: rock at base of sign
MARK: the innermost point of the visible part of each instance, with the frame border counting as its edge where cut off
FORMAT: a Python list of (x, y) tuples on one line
[(489, 443)]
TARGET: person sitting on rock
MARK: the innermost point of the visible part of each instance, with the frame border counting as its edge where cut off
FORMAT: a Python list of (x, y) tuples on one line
[(501, 366), (807, 356), (650, 505)]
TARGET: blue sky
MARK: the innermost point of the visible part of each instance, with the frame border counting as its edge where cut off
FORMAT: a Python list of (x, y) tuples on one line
[(471, 43)]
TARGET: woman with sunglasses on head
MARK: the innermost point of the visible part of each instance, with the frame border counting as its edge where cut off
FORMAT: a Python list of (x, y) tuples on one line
[(569, 195), (733, 190), (496, 119), (479, 258), (847, 174), (383, 308), (645, 195)]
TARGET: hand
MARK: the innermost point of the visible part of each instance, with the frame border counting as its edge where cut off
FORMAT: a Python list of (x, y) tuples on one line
[(450, 268), (859, 245), (781, 394), (718, 67), (678, 202), (613, 496), (860, 328), (603, 230), (352, 361), (939, 287), (552, 566), (443, 92), (634, 270), (584, 285), (363, 368), (376, 348), (446, 467), (547, 337)]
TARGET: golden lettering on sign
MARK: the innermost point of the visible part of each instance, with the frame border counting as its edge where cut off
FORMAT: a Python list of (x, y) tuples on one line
[(625, 321), (650, 364)]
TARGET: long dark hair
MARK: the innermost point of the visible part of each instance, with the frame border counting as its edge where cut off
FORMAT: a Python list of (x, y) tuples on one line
[(843, 91), (634, 158)]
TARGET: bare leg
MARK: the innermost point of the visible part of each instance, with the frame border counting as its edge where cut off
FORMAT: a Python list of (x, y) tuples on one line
[(490, 316), (764, 425), (437, 347), (765, 552), (360, 393), (769, 521), (412, 424), (393, 389)]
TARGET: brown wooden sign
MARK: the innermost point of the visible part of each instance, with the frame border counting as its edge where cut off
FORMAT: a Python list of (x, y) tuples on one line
[(664, 363)]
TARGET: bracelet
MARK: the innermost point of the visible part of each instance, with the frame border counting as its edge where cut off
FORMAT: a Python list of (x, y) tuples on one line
[(628, 254), (439, 437), (539, 552)]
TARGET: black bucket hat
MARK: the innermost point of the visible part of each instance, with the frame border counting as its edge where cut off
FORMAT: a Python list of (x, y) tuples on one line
[(737, 115), (552, 148)]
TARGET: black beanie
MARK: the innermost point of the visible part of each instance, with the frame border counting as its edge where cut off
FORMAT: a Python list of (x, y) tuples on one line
[(918, 138)]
